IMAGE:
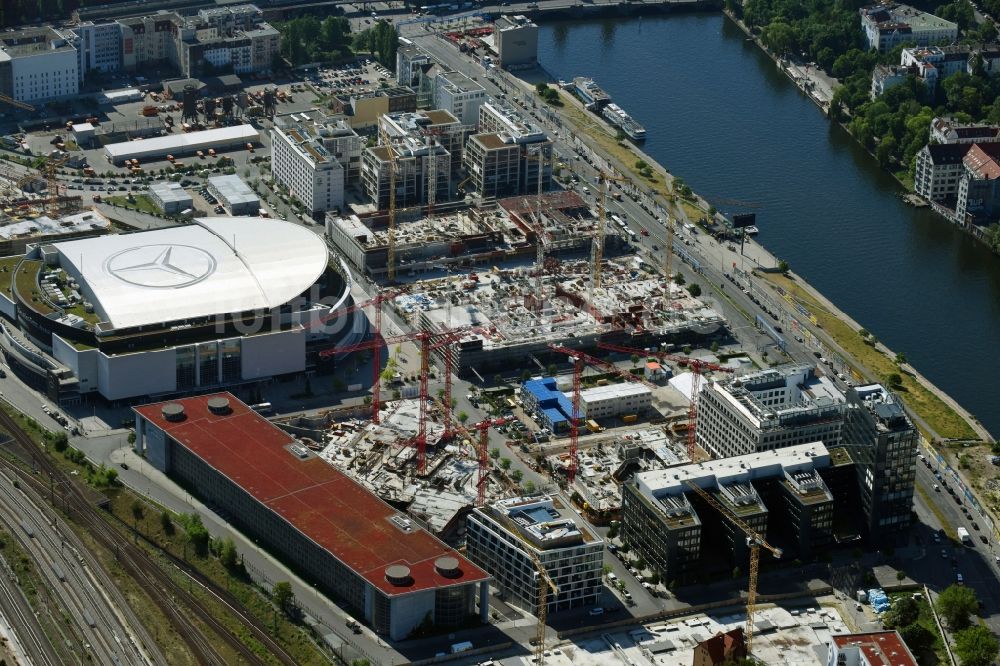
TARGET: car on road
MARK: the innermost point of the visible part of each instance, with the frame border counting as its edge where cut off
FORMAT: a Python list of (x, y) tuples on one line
[(596, 611), (123, 465), (975, 526)]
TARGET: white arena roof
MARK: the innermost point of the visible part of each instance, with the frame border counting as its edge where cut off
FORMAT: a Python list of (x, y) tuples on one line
[(216, 265), (181, 144)]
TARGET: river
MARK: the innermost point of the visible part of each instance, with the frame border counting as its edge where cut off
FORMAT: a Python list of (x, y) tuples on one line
[(719, 114)]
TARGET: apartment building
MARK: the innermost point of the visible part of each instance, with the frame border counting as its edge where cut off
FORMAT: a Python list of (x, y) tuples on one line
[(948, 130), (889, 25), (500, 536), (978, 198), (316, 157), (939, 169), (37, 64), (771, 409), (459, 95), (409, 61), (883, 442)]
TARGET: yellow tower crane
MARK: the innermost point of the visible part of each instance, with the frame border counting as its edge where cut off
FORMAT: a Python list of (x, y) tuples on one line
[(597, 247), (49, 169), (756, 542), (15, 103), (546, 586), (390, 257)]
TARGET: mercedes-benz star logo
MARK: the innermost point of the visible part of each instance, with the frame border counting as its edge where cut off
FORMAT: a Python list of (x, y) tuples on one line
[(161, 266)]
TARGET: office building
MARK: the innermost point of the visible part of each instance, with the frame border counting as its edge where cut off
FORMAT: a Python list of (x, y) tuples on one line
[(421, 161), (170, 197), (508, 154), (363, 110), (459, 95), (888, 25), (98, 47), (877, 648), (780, 494), (601, 402), (516, 41), (409, 61), (38, 64), (499, 538), (234, 195), (316, 157), (883, 442), (770, 409), (372, 558)]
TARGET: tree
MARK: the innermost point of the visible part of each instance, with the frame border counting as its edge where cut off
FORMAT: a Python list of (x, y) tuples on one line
[(130, 439), (60, 442), (282, 596), (635, 359), (505, 464), (166, 523), (679, 279), (528, 487), (904, 611), (900, 358), (783, 267), (956, 605), (894, 380), (976, 646), (137, 511), (694, 289), (494, 453), (227, 554), (516, 476), (463, 417), (498, 379)]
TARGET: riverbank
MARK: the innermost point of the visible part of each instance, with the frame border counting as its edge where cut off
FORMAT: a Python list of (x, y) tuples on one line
[(939, 416)]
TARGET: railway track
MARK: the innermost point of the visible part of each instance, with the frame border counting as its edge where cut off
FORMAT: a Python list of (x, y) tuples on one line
[(171, 597)]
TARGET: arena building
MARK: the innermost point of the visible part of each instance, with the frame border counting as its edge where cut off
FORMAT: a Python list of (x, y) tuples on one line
[(219, 302)]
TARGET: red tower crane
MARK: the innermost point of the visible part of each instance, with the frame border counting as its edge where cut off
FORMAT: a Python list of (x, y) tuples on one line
[(374, 343), (446, 343), (697, 368), (482, 453)]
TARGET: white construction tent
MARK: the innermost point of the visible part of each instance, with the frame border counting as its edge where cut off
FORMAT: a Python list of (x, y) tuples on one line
[(188, 143)]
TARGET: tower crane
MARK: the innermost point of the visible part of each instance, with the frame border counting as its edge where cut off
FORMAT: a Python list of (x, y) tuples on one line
[(432, 133), (390, 257), (546, 586), (374, 343), (697, 368), (49, 170), (580, 359), (482, 443), (446, 343), (756, 541), (16, 103), (597, 247), (539, 155)]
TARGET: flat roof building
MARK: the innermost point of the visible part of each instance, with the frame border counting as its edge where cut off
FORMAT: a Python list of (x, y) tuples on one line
[(516, 39), (234, 195), (889, 25), (340, 536), (170, 197), (500, 536), (38, 64), (769, 409), (459, 95), (876, 648), (316, 157), (157, 148), (883, 443), (16, 236), (779, 493), (626, 398)]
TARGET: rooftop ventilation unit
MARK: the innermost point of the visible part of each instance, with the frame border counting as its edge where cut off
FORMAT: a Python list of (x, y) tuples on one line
[(219, 405), (398, 574), (173, 412)]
